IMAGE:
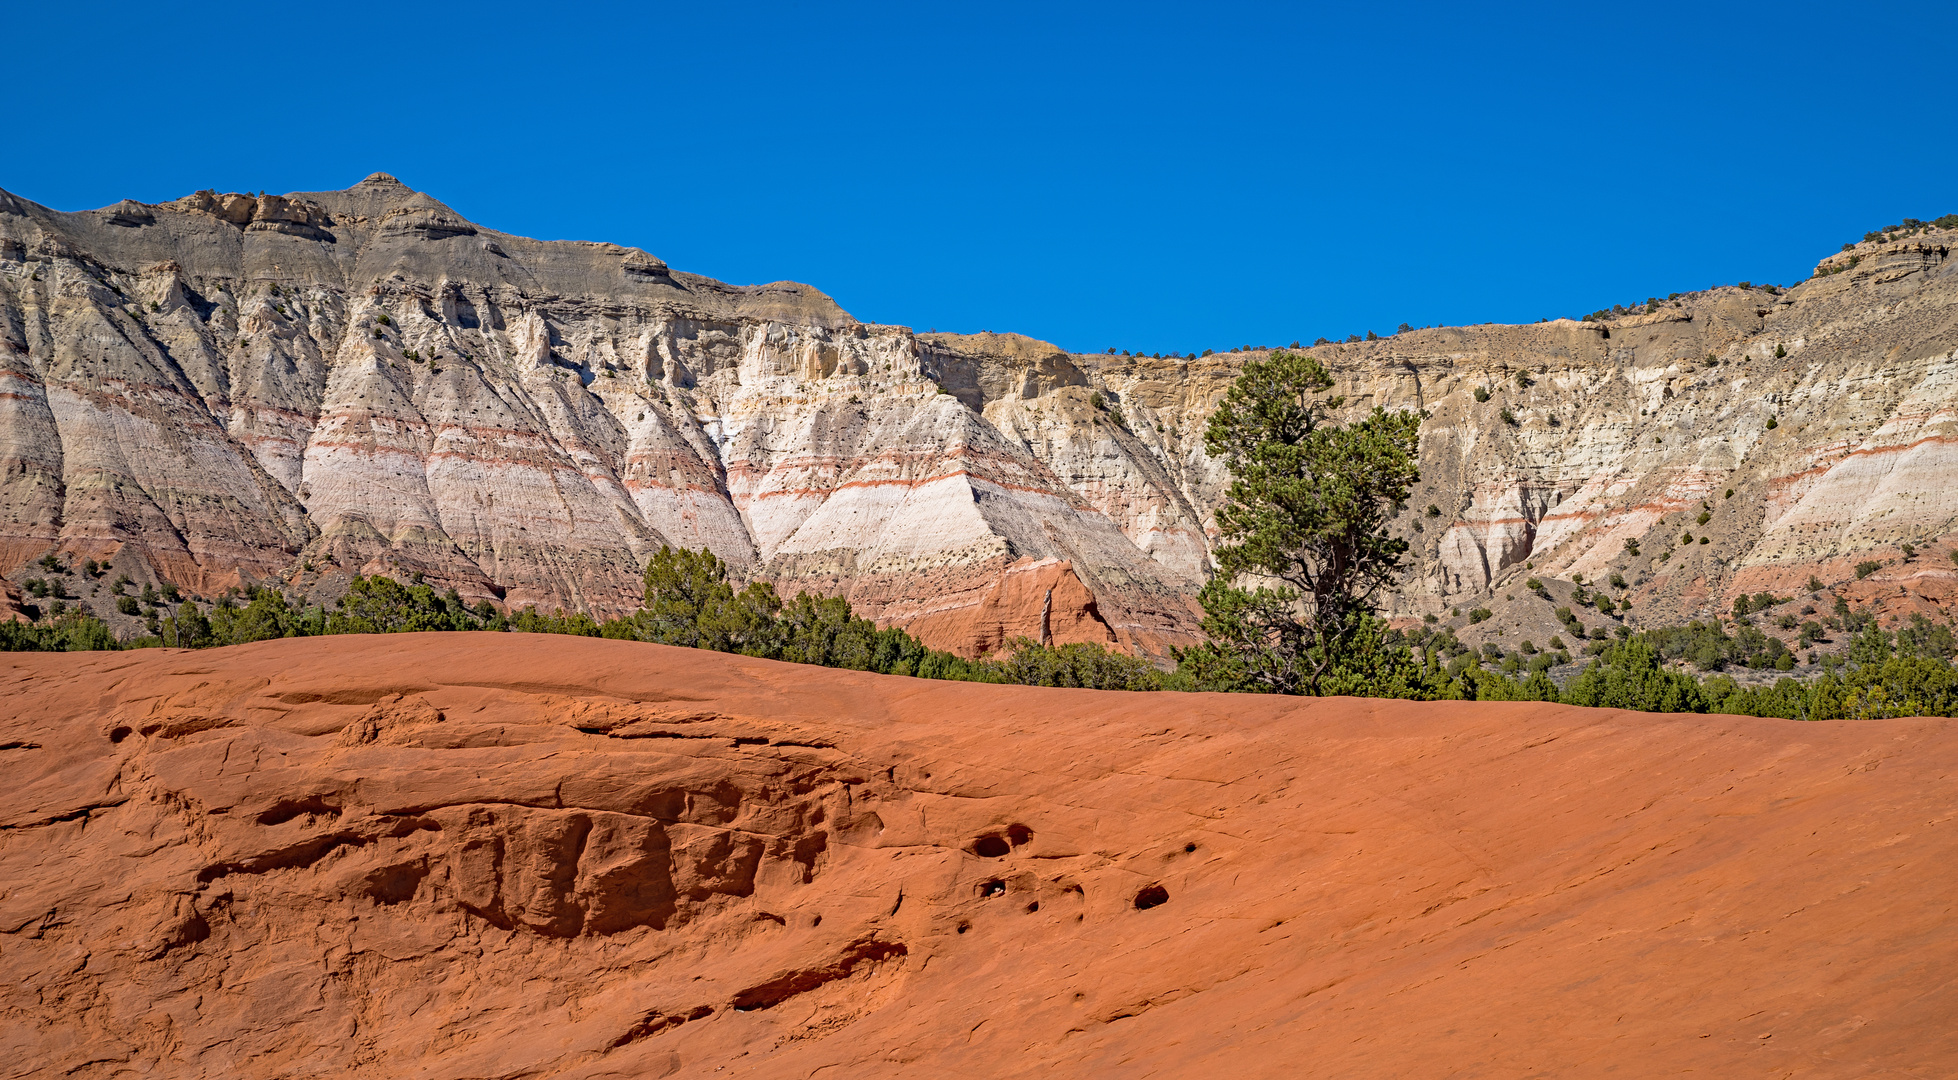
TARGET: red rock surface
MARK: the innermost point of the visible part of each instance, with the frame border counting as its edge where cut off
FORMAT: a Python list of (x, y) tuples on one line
[(511, 855), (1013, 608)]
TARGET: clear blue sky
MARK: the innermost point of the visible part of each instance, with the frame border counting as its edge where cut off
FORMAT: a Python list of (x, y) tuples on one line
[(1151, 177)]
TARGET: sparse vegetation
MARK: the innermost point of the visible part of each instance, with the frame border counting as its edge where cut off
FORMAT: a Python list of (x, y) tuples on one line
[(1761, 601), (1481, 393), (1866, 568)]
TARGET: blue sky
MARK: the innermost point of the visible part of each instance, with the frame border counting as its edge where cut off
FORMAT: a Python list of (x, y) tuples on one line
[(1151, 177)]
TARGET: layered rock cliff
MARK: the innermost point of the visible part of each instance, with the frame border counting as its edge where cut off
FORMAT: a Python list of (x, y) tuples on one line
[(229, 389)]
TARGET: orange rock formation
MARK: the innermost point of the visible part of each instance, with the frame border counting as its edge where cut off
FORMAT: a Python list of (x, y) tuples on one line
[(494, 855)]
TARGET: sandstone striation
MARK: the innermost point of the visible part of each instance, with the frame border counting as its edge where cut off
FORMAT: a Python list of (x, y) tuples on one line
[(232, 389), (491, 855)]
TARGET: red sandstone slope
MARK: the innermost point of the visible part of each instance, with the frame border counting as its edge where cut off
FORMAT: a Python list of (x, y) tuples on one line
[(512, 855)]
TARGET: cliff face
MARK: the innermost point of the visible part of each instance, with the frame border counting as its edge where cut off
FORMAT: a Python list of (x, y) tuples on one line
[(1813, 427), (225, 390), (229, 389)]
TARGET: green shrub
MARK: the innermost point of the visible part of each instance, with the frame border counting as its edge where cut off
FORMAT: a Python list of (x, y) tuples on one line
[(1480, 614), (1866, 568), (1481, 393)]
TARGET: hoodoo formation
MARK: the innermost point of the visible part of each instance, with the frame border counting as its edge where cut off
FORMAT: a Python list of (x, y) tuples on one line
[(513, 855), (232, 389)]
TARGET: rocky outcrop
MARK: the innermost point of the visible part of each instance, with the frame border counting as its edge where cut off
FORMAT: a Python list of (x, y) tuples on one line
[(226, 390), (507, 855), (230, 389), (1800, 431)]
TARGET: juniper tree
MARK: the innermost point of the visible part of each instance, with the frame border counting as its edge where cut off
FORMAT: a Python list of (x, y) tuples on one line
[(1306, 550)]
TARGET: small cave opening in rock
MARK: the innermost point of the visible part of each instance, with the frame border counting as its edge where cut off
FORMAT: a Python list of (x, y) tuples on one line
[(1151, 896), (1018, 834), (991, 846), (995, 887)]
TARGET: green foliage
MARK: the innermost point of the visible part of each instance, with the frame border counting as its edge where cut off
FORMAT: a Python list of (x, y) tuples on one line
[(1480, 614), (689, 602), (187, 629), (1761, 601), (1630, 676), (264, 616), (72, 632), (1631, 547), (1710, 648), (1508, 417), (1079, 665), (382, 605), (1481, 393), (1866, 568), (1307, 511)]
